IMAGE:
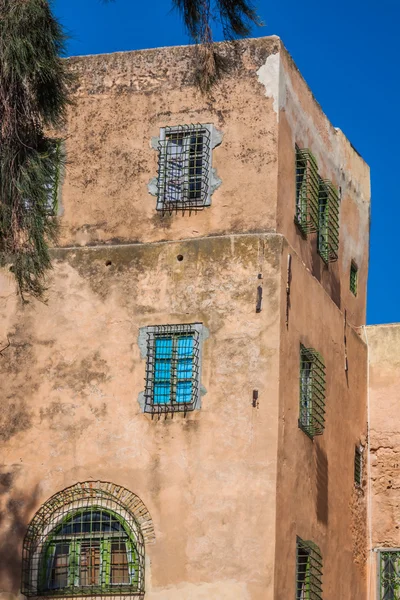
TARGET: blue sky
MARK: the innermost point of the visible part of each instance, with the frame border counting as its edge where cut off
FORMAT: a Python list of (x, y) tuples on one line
[(347, 51)]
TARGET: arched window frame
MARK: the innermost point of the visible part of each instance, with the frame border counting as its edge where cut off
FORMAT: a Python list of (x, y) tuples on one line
[(126, 506), (75, 541)]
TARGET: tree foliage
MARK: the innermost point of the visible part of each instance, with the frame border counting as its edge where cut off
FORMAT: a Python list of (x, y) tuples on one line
[(33, 99), (236, 17)]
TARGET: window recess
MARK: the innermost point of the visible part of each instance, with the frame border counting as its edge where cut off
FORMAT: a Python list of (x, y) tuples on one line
[(173, 368), (184, 168), (358, 465), (353, 278), (92, 552), (308, 571), (328, 221), (307, 188), (389, 574), (312, 392)]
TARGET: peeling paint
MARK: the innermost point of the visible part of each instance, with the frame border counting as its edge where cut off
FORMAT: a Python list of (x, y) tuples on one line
[(269, 76)]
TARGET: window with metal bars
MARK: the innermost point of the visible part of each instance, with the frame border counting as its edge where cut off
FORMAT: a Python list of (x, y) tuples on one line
[(173, 368), (184, 168), (53, 183), (389, 575), (328, 221), (307, 187), (312, 392), (52, 178), (91, 552), (358, 464), (308, 571), (353, 278)]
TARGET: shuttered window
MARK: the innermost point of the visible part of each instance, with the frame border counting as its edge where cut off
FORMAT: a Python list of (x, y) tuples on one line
[(312, 392), (353, 278), (328, 221), (308, 571), (307, 186)]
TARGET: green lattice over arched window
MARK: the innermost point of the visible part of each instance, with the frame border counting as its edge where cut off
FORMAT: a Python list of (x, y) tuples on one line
[(90, 551), (87, 540)]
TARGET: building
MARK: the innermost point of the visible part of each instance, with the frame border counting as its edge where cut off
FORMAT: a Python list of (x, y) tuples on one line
[(186, 416), (384, 446)]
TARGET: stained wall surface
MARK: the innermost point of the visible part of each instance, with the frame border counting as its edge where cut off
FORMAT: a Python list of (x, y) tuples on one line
[(302, 122), (121, 102), (317, 499), (72, 376), (384, 390), (212, 480)]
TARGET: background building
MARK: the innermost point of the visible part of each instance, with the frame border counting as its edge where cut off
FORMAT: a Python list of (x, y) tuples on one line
[(186, 416)]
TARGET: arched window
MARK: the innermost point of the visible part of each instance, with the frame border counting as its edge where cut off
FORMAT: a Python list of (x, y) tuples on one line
[(87, 540), (90, 549)]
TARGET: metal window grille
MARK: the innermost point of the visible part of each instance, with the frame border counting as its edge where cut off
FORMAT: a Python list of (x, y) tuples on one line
[(389, 575), (84, 549), (308, 571), (312, 392), (54, 180), (358, 464), (307, 186), (172, 369), (328, 221), (353, 278), (184, 168)]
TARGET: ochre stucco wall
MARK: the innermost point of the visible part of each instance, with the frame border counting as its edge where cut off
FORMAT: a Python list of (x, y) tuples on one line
[(121, 101), (316, 496), (71, 380), (72, 373), (302, 122), (384, 392)]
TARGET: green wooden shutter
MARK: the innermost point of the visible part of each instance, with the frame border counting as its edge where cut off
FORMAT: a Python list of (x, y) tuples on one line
[(312, 392), (74, 562), (307, 188), (105, 561), (46, 567), (308, 571), (328, 221), (353, 278)]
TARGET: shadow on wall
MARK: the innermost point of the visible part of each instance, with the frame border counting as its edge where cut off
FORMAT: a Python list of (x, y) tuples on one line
[(321, 470), (16, 510), (327, 276)]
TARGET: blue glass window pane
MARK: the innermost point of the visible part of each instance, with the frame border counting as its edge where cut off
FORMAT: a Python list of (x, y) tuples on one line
[(185, 346), (163, 347), (162, 393), (184, 391), (162, 370), (87, 521), (66, 529), (184, 368), (116, 526)]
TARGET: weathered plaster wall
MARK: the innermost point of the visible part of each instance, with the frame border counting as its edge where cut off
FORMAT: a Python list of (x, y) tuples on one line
[(72, 373), (302, 121), (384, 391), (316, 496), (71, 378), (121, 101), (262, 107)]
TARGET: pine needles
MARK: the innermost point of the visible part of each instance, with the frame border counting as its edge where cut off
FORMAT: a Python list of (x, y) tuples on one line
[(33, 97), (237, 18)]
